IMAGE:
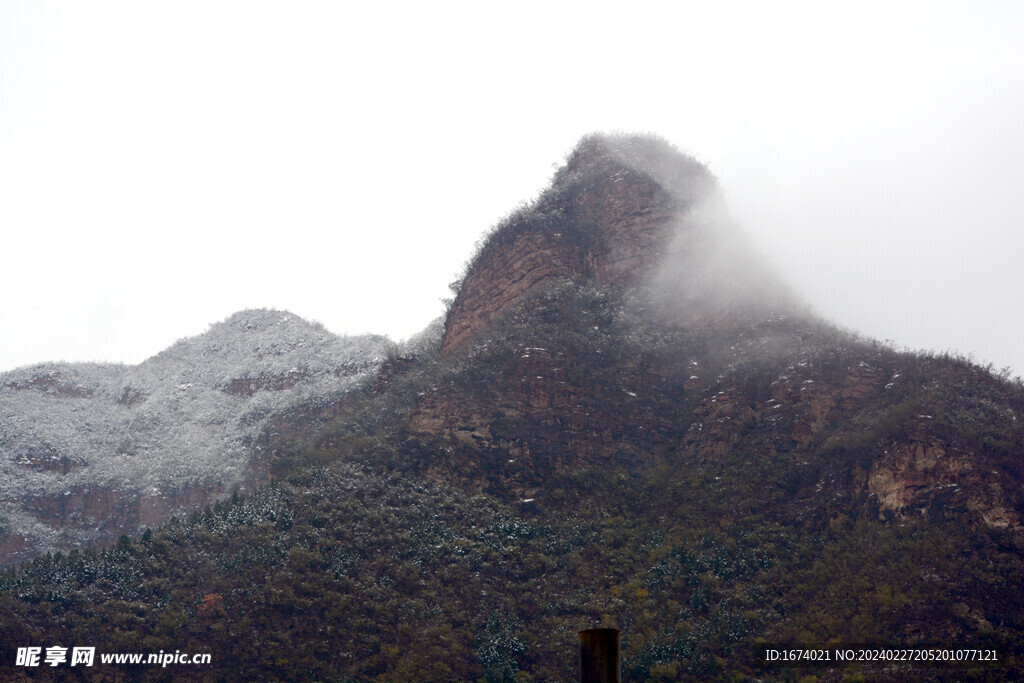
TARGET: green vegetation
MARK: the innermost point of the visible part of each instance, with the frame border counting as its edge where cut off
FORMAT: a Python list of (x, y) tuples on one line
[(350, 573)]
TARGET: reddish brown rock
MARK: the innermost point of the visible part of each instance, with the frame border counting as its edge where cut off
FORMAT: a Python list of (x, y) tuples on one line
[(914, 476), (53, 383), (503, 279), (604, 220)]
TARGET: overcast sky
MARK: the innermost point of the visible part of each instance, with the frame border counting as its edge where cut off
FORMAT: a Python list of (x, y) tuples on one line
[(163, 165)]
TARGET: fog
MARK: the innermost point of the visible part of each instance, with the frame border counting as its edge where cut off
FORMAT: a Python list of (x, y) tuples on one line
[(710, 274), (162, 166)]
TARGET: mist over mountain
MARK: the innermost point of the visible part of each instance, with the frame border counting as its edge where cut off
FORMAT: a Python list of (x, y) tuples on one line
[(625, 419)]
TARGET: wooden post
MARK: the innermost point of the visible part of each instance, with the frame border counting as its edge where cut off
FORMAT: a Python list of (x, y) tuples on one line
[(599, 656)]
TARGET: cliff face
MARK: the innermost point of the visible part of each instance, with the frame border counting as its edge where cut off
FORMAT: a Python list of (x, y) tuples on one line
[(548, 412), (504, 278), (606, 219)]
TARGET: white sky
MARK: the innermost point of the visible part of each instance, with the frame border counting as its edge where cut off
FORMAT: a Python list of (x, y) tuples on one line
[(165, 164)]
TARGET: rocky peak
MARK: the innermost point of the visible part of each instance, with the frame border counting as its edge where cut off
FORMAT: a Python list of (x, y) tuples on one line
[(704, 355), (622, 210)]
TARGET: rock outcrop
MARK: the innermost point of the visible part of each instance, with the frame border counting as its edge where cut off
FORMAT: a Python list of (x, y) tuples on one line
[(609, 217)]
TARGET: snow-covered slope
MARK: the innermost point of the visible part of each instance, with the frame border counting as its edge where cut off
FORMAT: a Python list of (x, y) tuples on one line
[(79, 443)]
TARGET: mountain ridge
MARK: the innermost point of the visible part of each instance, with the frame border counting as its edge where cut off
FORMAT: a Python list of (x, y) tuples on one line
[(665, 443), (121, 447), (734, 327)]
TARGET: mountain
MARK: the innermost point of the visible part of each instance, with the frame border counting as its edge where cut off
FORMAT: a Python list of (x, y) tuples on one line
[(618, 321), (625, 419), (90, 451)]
